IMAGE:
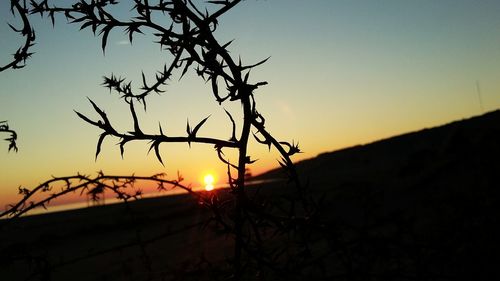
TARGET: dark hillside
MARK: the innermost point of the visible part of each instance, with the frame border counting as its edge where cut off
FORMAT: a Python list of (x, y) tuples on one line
[(424, 205), (468, 144)]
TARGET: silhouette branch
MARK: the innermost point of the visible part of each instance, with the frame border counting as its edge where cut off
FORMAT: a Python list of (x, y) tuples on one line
[(26, 31), (4, 127), (122, 186), (188, 35)]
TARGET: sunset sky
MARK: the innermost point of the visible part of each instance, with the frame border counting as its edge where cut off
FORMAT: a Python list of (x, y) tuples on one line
[(341, 73)]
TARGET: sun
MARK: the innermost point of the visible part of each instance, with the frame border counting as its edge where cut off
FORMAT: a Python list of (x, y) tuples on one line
[(209, 182)]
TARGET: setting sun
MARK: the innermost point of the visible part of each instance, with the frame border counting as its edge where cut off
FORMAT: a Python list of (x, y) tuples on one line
[(209, 182)]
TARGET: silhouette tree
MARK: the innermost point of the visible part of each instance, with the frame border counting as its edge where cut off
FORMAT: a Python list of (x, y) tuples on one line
[(253, 220)]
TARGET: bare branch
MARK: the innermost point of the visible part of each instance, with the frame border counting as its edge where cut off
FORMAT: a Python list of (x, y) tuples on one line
[(22, 54), (122, 186)]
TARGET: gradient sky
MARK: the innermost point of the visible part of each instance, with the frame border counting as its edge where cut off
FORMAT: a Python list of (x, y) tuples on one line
[(341, 73)]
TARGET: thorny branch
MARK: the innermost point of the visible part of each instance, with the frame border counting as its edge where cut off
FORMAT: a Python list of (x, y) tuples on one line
[(4, 127), (124, 188), (26, 31), (189, 38)]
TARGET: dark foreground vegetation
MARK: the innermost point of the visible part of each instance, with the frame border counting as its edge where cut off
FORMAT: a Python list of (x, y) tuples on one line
[(262, 234), (420, 206)]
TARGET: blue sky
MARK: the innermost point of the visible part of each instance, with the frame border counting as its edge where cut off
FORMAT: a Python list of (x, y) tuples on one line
[(341, 73)]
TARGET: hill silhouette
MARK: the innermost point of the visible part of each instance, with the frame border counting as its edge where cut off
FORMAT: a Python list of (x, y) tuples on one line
[(426, 201), (468, 146)]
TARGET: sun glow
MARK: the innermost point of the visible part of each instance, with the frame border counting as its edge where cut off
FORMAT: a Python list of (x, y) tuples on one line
[(209, 182)]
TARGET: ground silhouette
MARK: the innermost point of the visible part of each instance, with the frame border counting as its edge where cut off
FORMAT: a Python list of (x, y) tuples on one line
[(424, 203)]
